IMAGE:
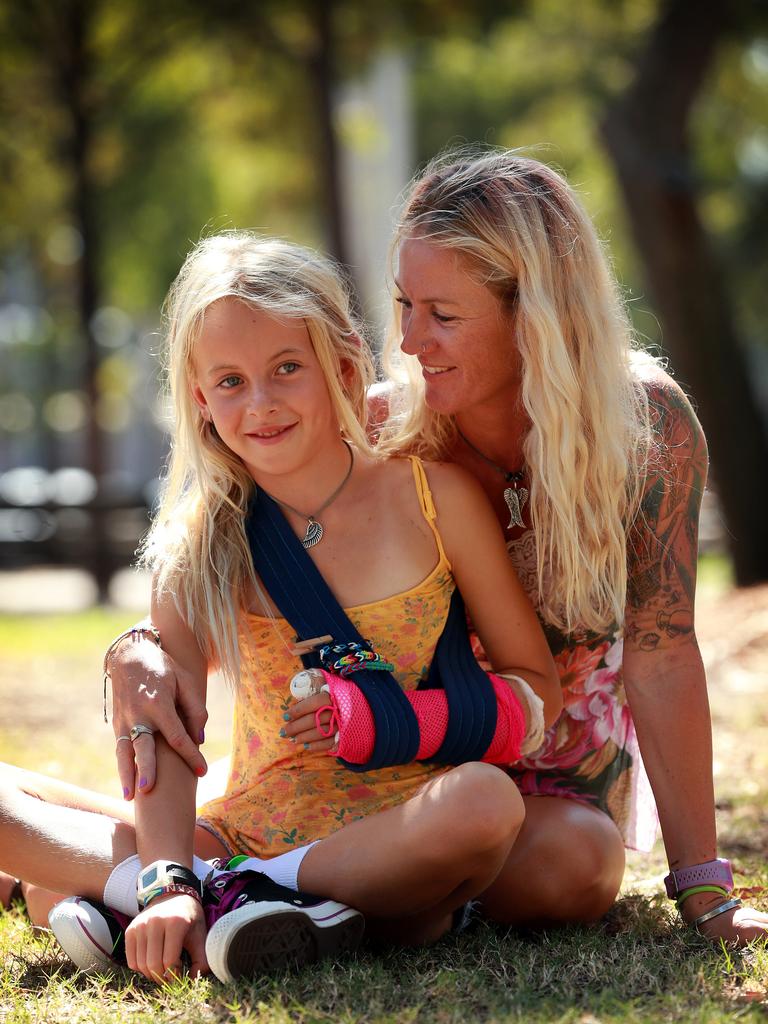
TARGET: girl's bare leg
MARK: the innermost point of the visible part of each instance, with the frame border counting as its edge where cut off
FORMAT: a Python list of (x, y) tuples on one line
[(419, 862), (566, 865), (64, 840)]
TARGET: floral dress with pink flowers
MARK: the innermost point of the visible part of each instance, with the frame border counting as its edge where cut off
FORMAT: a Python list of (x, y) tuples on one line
[(591, 752)]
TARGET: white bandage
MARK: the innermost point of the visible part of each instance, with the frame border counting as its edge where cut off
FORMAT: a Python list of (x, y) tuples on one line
[(533, 706)]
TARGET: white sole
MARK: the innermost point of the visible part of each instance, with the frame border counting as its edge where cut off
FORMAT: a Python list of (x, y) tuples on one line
[(83, 936), (268, 936)]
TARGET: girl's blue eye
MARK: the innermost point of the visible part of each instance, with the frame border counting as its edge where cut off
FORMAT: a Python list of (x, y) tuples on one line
[(403, 301), (230, 382), (288, 368), (443, 319)]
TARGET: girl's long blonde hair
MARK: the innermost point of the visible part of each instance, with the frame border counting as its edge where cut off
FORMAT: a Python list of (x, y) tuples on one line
[(521, 229), (197, 545)]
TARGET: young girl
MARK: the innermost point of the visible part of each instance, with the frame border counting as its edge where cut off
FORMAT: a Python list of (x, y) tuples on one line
[(268, 379)]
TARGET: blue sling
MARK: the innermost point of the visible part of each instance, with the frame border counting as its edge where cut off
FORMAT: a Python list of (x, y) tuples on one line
[(302, 596)]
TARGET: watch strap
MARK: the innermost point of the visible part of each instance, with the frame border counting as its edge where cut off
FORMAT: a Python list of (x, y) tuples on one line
[(161, 874), (711, 872)]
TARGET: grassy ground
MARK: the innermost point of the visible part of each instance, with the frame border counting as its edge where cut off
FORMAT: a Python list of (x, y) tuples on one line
[(638, 966)]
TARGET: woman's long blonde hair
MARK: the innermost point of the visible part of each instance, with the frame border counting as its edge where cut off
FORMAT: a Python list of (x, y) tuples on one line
[(197, 545), (522, 230)]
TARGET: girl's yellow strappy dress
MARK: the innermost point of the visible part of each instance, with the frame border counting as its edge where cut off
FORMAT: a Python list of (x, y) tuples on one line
[(278, 796)]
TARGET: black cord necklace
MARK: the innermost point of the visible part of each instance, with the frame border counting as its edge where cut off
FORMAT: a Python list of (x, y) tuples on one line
[(515, 495), (314, 531)]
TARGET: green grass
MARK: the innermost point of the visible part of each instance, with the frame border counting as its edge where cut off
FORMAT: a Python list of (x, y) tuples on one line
[(639, 966)]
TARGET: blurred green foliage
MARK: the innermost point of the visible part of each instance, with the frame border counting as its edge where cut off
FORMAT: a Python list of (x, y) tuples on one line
[(204, 118)]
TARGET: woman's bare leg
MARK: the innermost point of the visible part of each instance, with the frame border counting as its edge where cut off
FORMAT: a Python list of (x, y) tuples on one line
[(422, 860), (566, 865)]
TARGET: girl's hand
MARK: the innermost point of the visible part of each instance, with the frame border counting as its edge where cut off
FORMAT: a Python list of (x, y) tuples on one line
[(301, 724), (154, 940)]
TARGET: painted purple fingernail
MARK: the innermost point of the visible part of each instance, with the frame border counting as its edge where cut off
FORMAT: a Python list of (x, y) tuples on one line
[(202, 736), (142, 782), (125, 792)]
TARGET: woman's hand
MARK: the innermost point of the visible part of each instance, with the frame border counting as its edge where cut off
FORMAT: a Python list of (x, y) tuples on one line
[(301, 725), (154, 940), (150, 688), (739, 926)]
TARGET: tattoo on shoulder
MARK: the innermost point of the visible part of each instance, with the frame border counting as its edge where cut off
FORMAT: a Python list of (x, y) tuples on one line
[(662, 546)]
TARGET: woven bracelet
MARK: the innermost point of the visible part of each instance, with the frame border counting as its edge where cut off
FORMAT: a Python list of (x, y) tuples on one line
[(173, 887)]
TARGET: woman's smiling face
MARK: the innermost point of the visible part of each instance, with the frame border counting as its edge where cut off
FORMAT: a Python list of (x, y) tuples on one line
[(258, 379), (457, 328)]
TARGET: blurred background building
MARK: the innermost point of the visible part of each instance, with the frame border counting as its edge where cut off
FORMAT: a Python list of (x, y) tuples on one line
[(129, 130)]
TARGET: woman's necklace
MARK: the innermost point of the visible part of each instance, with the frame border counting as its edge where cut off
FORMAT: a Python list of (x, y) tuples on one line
[(314, 531), (515, 496)]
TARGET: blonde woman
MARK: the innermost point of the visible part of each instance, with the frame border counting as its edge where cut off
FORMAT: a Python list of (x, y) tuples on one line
[(512, 356), (272, 490)]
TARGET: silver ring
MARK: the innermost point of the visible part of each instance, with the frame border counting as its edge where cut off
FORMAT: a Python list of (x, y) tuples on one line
[(140, 730), (122, 738)]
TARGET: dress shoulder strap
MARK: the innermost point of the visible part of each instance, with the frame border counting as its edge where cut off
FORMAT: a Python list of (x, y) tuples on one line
[(427, 503)]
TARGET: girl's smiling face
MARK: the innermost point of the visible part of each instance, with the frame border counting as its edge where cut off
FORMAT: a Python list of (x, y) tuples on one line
[(258, 380), (457, 328)]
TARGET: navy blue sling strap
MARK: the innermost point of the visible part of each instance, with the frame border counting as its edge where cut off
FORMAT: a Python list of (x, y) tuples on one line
[(303, 597)]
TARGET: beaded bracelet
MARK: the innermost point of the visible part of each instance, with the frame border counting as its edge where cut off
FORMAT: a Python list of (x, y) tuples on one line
[(136, 632)]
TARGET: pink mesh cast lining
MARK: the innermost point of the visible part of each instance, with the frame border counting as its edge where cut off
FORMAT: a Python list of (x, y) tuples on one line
[(357, 730)]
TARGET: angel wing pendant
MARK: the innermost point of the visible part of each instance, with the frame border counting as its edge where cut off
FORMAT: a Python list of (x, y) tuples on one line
[(515, 497), (313, 535)]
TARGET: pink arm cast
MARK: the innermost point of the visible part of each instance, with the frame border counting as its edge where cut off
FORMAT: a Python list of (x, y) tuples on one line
[(352, 719)]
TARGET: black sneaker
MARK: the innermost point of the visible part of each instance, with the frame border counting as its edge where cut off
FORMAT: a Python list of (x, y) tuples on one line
[(256, 926)]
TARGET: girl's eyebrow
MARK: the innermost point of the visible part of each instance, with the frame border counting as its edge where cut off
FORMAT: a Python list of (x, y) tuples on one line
[(442, 302)]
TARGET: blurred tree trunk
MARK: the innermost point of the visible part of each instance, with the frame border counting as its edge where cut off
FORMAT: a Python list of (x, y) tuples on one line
[(645, 132), (322, 77), (71, 60)]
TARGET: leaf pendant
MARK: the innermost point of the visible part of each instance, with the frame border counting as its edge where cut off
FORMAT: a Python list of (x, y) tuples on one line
[(313, 535), (515, 497)]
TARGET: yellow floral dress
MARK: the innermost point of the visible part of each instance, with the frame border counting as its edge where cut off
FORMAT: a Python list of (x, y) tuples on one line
[(278, 796)]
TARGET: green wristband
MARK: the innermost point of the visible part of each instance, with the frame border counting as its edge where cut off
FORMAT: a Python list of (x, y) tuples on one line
[(697, 889)]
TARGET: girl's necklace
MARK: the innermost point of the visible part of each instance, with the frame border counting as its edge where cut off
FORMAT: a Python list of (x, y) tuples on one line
[(515, 496), (314, 531)]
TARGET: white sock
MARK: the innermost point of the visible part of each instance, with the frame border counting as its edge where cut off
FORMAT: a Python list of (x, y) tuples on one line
[(120, 890), (283, 869)]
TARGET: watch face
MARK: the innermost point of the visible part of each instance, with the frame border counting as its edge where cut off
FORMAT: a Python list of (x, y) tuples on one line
[(149, 877)]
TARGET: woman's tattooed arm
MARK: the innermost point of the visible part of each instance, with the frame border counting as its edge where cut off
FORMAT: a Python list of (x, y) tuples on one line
[(663, 543)]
